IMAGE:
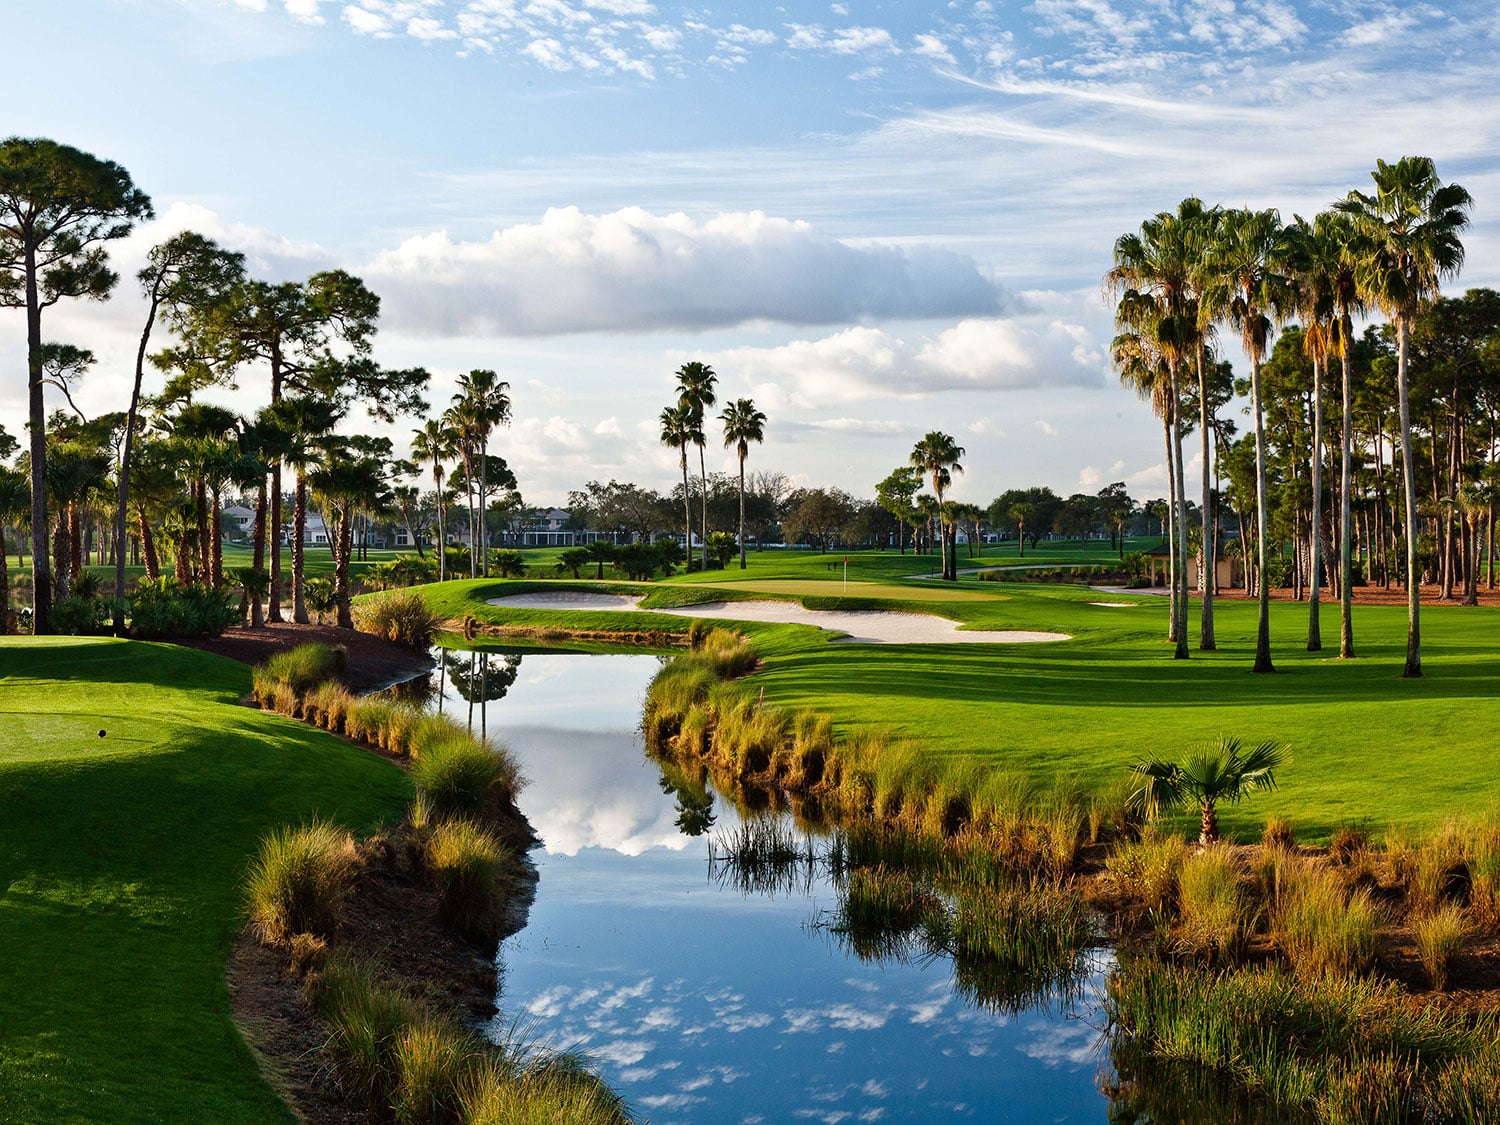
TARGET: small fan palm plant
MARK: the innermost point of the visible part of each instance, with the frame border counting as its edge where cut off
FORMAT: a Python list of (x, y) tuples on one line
[(1220, 771)]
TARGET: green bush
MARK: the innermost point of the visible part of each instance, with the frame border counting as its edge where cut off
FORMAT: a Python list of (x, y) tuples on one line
[(80, 616), (299, 882), (165, 609)]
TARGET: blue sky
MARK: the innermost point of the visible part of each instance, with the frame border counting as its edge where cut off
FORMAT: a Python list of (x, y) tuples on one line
[(874, 218)]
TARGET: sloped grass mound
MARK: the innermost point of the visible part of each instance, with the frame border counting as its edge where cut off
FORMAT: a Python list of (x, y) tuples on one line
[(122, 860)]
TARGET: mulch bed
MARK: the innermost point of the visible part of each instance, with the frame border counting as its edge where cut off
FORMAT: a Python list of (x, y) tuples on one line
[(374, 663)]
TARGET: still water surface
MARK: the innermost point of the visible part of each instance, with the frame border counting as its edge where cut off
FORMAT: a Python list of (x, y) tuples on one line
[(704, 1004)]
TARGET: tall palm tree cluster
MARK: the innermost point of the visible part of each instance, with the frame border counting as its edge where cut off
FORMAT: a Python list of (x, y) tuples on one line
[(682, 425), (1188, 273)]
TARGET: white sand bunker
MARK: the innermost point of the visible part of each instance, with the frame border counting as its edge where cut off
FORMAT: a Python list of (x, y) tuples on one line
[(1114, 605), (865, 626), (872, 626), (566, 599)]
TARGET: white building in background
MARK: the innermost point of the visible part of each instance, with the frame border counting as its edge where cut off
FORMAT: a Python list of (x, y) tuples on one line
[(239, 521)]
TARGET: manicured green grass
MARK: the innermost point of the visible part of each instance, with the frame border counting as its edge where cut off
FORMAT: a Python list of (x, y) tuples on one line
[(1367, 746), (122, 862)]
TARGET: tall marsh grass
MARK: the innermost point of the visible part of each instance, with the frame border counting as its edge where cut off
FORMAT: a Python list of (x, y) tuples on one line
[(1210, 905), (1338, 1044), (300, 880), (1324, 928), (1440, 939), (458, 775)]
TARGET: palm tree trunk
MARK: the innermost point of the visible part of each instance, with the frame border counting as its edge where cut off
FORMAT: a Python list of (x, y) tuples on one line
[(205, 548), (1180, 523), (5, 584), (341, 569), (1208, 828), (41, 575), (484, 502), (1210, 523), (442, 547), (742, 510), (216, 571), (703, 479), (1170, 522), (1413, 666), (299, 549), (1263, 614), (148, 546), (1315, 564), (687, 514), (1346, 522)]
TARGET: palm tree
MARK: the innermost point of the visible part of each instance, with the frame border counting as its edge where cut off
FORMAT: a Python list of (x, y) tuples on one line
[(742, 425), (15, 504), (306, 423), (1141, 368), (1219, 771), (1318, 251), (679, 428), (1407, 245), (938, 455), (1243, 282), (433, 445), (463, 424), (487, 398), (695, 389), (1154, 277)]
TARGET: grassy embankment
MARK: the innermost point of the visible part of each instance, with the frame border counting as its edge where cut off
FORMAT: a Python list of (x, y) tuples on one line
[(1368, 747), (123, 862)]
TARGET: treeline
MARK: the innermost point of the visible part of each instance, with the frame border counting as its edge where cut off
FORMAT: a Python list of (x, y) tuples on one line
[(1186, 274)]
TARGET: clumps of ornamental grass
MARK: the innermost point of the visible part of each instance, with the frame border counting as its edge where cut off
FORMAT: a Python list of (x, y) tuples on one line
[(1440, 940), (300, 881), (430, 1059), (1347, 843), (1109, 810), (465, 863), (1341, 1046), (300, 668), (1275, 870), (1466, 1091), (459, 775), (761, 855), (1484, 868), (1211, 921), (1324, 928), (365, 1016), (516, 1081), (1144, 871), (400, 617), (1278, 833)]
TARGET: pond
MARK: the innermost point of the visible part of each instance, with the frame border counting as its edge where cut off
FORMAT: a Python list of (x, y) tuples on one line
[(704, 997)]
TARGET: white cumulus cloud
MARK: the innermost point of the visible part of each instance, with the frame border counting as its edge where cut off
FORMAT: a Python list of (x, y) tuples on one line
[(633, 271)]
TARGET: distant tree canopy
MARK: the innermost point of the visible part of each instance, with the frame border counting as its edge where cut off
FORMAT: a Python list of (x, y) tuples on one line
[(1028, 512), (819, 517)]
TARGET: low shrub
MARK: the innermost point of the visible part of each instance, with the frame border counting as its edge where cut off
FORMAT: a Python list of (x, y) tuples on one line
[(401, 618), (80, 616), (300, 880), (466, 862), (1440, 939), (165, 609), (460, 776)]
